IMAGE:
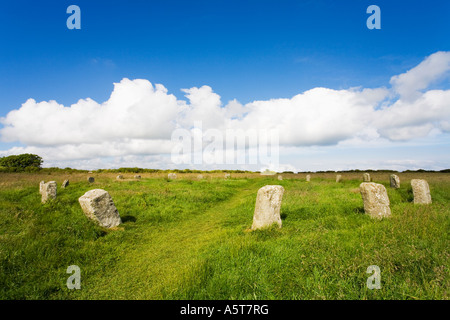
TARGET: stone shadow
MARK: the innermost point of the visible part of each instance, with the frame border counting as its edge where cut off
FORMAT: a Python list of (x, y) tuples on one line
[(128, 219)]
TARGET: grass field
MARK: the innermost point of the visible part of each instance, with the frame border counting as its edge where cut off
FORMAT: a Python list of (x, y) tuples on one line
[(189, 239)]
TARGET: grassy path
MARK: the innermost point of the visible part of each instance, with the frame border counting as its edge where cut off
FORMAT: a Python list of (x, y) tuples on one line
[(159, 260)]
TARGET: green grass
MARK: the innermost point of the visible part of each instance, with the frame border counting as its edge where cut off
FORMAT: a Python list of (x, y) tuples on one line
[(188, 239)]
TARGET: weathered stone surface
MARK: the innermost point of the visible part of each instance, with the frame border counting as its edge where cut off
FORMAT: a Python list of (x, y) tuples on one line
[(376, 200), (91, 179), (137, 177), (65, 183), (47, 190), (172, 176), (366, 177), (308, 178), (421, 191), (395, 181), (338, 178), (280, 178), (119, 177), (98, 205), (227, 176), (268, 205), (200, 177)]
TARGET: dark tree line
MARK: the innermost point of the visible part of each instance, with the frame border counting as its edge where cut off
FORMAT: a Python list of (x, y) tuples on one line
[(21, 162)]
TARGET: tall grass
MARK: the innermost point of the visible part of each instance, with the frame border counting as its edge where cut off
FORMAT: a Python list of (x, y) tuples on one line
[(189, 239)]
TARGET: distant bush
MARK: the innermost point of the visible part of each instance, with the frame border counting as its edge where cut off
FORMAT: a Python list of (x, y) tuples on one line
[(23, 162)]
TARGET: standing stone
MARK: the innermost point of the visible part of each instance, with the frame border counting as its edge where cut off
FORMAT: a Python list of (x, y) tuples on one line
[(366, 177), (172, 176), (395, 181), (98, 205), (280, 178), (421, 191), (65, 183), (308, 178), (338, 178), (267, 208), (47, 190), (200, 177), (91, 179), (227, 176), (119, 177), (137, 177), (376, 200)]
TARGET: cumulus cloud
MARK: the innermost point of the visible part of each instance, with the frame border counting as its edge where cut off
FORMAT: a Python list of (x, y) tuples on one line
[(434, 67), (139, 117), (135, 110), (405, 120), (318, 116)]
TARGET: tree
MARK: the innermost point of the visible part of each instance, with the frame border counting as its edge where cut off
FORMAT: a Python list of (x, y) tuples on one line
[(21, 161)]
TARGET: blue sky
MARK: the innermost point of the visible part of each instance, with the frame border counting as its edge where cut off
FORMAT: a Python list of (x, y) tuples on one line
[(243, 50)]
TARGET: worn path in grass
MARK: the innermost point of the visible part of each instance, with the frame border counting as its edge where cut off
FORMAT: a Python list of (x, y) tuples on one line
[(160, 260)]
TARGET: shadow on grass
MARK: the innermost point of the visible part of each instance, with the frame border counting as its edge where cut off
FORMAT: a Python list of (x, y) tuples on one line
[(359, 210), (128, 219), (405, 194)]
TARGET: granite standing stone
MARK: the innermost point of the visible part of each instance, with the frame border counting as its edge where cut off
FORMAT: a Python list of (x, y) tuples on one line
[(267, 208), (338, 178), (366, 177), (98, 205), (395, 181), (47, 190), (308, 178), (172, 176), (91, 179), (65, 184), (421, 191), (376, 200)]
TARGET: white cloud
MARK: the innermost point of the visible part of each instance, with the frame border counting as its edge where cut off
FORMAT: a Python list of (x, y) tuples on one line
[(139, 118), (434, 67), (135, 110), (405, 120), (318, 116)]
